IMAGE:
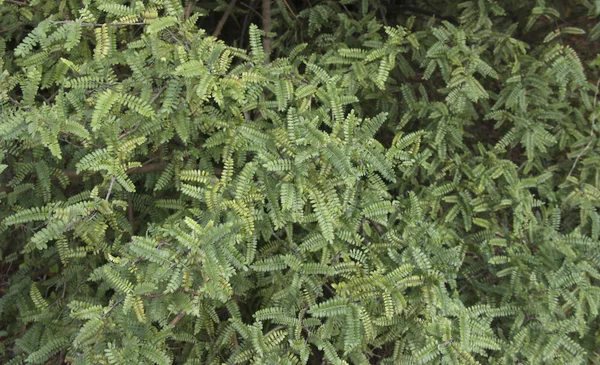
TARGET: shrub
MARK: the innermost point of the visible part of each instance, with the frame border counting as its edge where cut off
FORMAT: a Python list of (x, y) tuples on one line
[(355, 182)]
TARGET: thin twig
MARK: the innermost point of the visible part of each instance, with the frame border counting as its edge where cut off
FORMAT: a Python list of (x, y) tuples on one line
[(152, 296), (135, 128), (160, 91), (224, 17), (280, 327), (592, 133), (347, 11), (130, 213), (266, 19), (172, 35), (112, 183), (112, 307), (290, 9), (235, 340), (95, 24), (382, 11), (177, 319), (251, 8)]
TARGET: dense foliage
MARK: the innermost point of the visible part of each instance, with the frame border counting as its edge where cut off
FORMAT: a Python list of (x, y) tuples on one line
[(299, 182)]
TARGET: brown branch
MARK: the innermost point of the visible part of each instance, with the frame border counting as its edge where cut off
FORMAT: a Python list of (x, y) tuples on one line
[(223, 19), (235, 340), (266, 18), (377, 227), (347, 11), (277, 328), (152, 296), (188, 9), (22, 3), (177, 319)]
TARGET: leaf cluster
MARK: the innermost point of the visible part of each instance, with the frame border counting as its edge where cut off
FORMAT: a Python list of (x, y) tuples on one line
[(383, 184)]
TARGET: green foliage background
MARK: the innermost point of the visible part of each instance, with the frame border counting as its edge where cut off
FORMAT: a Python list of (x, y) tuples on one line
[(315, 182)]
